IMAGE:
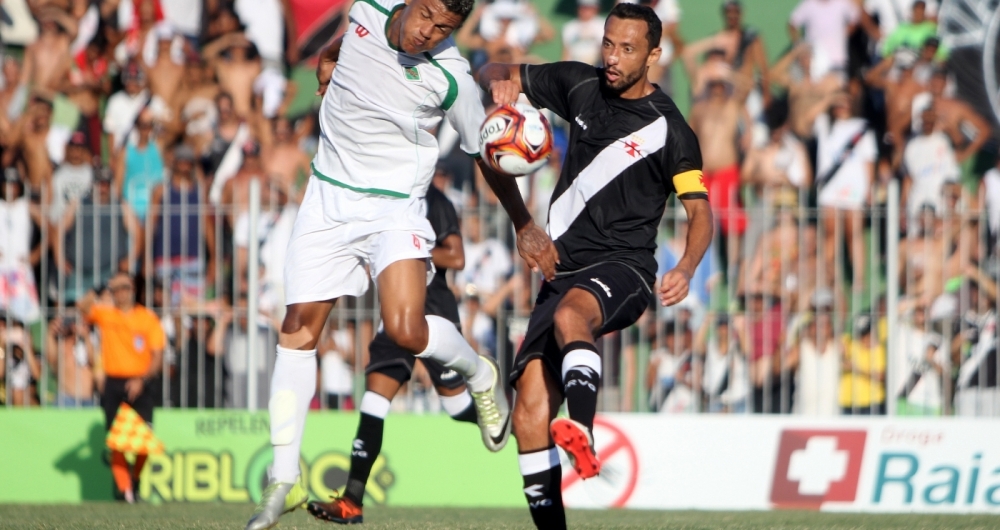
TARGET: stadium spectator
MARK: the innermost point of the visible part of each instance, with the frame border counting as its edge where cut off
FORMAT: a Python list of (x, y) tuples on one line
[(195, 104), (336, 362), (183, 238), (199, 372), (129, 107), (718, 121), (72, 179), (706, 275), (862, 385), (895, 75), (30, 140), (487, 264), (46, 61), (912, 33), (725, 367), (165, 66), (773, 267), (818, 352), (582, 36), (929, 162), (977, 393), (844, 174), (86, 86), (989, 201), (13, 94), (70, 355), (138, 167), (20, 249), (18, 364), (826, 25), (762, 332), (96, 236), (917, 365), (712, 68), (132, 343), (668, 391), (285, 162), (807, 86), (744, 49), (231, 339), (887, 15), (967, 130), (505, 29), (237, 65)]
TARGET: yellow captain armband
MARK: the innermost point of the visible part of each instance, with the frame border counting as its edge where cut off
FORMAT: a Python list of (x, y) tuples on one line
[(690, 185)]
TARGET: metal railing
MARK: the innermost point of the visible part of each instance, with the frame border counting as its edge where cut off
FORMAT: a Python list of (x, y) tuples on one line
[(778, 327)]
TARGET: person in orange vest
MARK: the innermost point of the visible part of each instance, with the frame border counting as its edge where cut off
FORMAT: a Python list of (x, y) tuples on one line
[(132, 342)]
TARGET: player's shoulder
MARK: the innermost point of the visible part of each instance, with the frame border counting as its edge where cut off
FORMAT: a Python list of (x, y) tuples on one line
[(447, 57)]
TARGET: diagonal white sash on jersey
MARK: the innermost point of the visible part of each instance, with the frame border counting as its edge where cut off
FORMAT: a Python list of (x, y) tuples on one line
[(606, 166)]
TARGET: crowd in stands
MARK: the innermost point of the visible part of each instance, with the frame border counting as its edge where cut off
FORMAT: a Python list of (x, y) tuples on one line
[(131, 130)]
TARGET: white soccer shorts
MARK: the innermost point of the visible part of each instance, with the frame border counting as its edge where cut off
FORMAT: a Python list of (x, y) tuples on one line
[(339, 231)]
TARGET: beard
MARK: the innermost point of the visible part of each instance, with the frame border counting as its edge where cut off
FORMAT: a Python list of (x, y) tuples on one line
[(624, 81)]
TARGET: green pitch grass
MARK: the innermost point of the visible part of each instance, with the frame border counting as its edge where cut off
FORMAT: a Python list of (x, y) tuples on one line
[(218, 516)]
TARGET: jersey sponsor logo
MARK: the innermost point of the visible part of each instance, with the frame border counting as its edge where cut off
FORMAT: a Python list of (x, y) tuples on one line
[(416, 241), (411, 73), (607, 290), (581, 123), (611, 162), (361, 31), (817, 466)]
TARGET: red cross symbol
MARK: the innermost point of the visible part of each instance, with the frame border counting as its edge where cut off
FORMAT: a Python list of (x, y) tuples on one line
[(632, 148)]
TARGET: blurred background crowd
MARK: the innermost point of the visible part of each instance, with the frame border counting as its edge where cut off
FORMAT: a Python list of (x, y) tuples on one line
[(852, 172)]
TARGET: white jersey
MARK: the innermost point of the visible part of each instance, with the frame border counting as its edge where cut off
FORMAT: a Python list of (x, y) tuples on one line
[(378, 116)]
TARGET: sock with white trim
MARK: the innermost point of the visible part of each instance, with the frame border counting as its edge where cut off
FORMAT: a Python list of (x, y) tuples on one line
[(542, 475), (293, 385), (581, 371), (460, 407), (367, 444), (447, 346)]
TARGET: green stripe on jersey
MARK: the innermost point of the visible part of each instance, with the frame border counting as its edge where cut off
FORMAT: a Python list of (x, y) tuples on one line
[(452, 95), (374, 191), (376, 5)]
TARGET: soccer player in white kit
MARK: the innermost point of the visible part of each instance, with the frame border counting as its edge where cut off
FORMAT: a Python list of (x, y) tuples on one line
[(386, 85)]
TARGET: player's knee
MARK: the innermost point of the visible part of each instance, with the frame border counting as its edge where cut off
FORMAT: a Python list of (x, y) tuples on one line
[(531, 413), (569, 322), (408, 332), (297, 330)]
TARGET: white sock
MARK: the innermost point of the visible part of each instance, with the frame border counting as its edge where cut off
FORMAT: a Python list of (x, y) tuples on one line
[(455, 405), (375, 405), (581, 357), (292, 388), (447, 346)]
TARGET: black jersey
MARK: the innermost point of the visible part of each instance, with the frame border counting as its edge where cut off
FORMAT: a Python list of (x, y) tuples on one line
[(441, 213), (625, 158)]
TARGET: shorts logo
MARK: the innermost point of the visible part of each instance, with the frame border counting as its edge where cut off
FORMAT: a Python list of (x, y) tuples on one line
[(581, 123), (411, 73), (416, 241), (361, 31), (449, 374), (607, 290), (814, 467)]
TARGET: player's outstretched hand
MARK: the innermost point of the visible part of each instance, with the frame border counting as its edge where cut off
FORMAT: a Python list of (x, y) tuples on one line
[(505, 92), (674, 287), (538, 250)]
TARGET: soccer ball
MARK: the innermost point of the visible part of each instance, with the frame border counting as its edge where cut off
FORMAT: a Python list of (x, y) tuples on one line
[(515, 140)]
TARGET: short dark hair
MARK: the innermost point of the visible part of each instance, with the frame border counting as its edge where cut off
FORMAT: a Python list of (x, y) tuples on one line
[(654, 30), (461, 8)]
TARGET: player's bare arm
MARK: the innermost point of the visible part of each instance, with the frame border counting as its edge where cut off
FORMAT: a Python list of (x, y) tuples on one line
[(327, 62), (503, 81), (675, 284), (449, 254), (533, 244)]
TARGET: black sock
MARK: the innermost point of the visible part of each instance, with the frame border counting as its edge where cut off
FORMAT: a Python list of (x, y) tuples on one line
[(468, 415), (581, 382), (365, 450), (543, 488)]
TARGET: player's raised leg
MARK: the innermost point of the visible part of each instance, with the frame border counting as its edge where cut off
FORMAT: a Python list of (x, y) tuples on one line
[(402, 289), (537, 402), (293, 384), (576, 321)]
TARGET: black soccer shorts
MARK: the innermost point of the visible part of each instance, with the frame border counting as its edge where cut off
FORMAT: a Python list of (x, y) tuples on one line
[(621, 291), (115, 394), (386, 358)]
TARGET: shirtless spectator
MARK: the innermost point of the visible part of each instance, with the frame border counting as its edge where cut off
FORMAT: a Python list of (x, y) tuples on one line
[(139, 34), (773, 268), (807, 86), (504, 29), (928, 162), (166, 70), (47, 61), (717, 120), (236, 64), (827, 25), (12, 95), (236, 201), (967, 130), (845, 170), (285, 161), (195, 102), (895, 76), (941, 246), (744, 47), (88, 82), (70, 355), (30, 140), (713, 66)]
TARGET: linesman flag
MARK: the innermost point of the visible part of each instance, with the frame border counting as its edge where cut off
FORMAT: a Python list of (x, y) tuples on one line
[(130, 434)]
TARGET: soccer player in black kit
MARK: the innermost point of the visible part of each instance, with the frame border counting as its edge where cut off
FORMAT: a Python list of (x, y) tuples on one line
[(390, 366), (629, 149)]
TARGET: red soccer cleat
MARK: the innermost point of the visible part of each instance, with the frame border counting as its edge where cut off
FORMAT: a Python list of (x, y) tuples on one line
[(576, 440), (339, 510)]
